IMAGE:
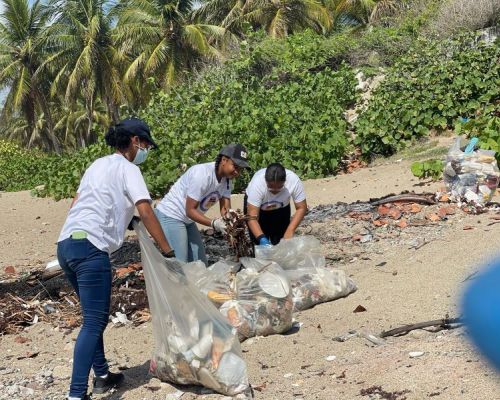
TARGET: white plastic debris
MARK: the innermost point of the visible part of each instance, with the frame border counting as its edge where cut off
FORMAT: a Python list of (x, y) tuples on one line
[(415, 354), (330, 358), (174, 396), (120, 318)]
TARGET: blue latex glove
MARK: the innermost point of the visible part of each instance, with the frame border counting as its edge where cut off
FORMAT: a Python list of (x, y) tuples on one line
[(264, 241), (481, 307)]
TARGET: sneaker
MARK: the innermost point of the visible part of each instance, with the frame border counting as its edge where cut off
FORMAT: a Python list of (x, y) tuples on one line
[(85, 397), (102, 385)]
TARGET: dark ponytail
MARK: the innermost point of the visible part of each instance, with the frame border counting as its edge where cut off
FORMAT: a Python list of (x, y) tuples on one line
[(117, 138), (275, 172), (218, 159)]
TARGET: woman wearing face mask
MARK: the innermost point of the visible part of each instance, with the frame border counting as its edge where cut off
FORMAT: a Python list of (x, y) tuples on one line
[(198, 189), (267, 199), (111, 188)]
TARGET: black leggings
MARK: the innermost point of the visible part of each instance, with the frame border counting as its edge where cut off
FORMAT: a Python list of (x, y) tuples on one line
[(273, 223)]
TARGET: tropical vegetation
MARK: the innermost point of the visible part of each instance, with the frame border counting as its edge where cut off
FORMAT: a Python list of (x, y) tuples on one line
[(278, 75)]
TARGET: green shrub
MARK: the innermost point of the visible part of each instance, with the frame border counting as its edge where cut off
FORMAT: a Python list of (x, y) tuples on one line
[(429, 88), (293, 118), (428, 169), (62, 174), (485, 125), (21, 169)]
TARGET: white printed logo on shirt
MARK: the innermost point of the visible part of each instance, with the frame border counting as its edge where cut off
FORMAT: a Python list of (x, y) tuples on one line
[(271, 205), (209, 200)]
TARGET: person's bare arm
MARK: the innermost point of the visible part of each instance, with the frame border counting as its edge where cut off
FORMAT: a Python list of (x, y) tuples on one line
[(253, 222), (152, 224), (300, 212), (74, 200), (225, 205), (195, 214)]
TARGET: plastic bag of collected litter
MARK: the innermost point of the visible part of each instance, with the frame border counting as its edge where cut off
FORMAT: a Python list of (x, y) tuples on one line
[(194, 343), (217, 282), (471, 176), (305, 266), (257, 299)]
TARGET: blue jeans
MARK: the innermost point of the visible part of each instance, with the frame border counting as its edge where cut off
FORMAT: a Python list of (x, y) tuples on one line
[(89, 271), (184, 238)]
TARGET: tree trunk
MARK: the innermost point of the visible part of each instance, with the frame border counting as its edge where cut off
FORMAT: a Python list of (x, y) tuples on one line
[(50, 124)]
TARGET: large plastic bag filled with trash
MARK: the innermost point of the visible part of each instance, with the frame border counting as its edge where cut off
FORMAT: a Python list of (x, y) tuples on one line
[(471, 176), (255, 296), (194, 343), (312, 283)]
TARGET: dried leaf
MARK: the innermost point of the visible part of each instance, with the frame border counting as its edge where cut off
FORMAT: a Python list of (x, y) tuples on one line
[(403, 223), (135, 266), (433, 217), (380, 222), (444, 198), (10, 270), (394, 213), (415, 208), (21, 339), (122, 272), (468, 228), (383, 209), (363, 216), (359, 309)]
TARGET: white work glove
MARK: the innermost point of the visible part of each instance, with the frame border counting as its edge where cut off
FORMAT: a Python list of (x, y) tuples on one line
[(219, 225)]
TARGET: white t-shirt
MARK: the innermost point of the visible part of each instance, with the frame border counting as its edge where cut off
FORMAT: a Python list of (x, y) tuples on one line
[(260, 196), (200, 183), (107, 195)]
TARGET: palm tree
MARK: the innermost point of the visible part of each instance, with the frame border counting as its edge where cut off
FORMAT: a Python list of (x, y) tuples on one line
[(226, 13), (83, 58), (282, 17), (162, 40), (21, 28), (72, 121), (365, 11), (278, 17)]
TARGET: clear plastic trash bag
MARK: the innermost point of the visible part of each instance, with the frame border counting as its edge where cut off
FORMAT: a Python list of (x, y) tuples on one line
[(256, 299), (194, 343), (472, 177), (304, 265)]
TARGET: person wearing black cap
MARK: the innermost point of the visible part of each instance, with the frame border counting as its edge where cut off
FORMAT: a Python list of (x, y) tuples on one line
[(198, 189), (267, 200), (111, 188)]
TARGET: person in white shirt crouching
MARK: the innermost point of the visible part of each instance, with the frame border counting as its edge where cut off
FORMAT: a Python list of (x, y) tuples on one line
[(198, 189), (267, 203)]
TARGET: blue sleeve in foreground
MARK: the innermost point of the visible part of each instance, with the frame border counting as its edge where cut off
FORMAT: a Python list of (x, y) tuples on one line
[(481, 307)]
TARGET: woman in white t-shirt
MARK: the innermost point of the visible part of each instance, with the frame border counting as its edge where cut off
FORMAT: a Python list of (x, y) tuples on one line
[(111, 188), (198, 189), (267, 199)]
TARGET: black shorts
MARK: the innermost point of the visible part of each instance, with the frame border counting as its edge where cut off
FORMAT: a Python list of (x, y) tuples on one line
[(273, 223)]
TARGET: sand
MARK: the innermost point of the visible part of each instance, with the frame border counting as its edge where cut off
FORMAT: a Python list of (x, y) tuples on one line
[(427, 285)]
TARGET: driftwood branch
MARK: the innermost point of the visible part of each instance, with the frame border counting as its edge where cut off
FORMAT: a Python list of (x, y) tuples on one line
[(409, 197), (445, 323)]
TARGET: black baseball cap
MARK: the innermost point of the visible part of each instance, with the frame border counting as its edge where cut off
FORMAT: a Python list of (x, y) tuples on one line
[(236, 152), (136, 127)]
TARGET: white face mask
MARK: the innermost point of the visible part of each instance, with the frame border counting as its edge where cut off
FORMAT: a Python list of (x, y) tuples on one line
[(141, 155)]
